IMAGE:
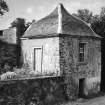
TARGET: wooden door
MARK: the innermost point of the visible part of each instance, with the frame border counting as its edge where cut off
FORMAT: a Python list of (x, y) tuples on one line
[(37, 59)]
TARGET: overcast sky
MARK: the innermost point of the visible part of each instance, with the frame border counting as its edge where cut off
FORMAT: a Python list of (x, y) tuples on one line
[(36, 9)]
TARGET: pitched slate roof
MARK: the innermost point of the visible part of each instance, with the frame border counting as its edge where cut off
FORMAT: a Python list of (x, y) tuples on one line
[(59, 22)]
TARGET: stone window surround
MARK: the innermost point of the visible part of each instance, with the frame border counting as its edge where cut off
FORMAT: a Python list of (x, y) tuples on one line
[(85, 51)]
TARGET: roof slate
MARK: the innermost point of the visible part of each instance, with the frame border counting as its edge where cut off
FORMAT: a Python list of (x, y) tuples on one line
[(59, 22)]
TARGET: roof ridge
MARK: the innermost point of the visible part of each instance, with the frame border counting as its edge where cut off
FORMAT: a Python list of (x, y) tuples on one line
[(59, 19)]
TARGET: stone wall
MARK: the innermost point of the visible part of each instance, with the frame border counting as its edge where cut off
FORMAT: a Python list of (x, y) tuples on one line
[(46, 91), (92, 66), (74, 70), (50, 53)]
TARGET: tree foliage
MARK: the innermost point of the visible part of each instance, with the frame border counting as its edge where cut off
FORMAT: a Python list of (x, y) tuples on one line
[(3, 7), (19, 23), (8, 56), (21, 26), (84, 14), (98, 23)]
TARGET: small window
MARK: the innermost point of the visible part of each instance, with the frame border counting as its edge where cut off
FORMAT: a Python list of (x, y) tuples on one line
[(81, 52)]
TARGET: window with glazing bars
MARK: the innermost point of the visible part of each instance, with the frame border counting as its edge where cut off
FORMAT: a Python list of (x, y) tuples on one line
[(81, 57)]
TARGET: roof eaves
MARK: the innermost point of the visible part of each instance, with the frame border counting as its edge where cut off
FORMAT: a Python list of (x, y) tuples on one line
[(88, 26), (40, 36), (78, 36)]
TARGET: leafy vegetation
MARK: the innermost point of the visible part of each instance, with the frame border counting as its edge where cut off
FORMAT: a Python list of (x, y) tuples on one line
[(97, 22), (3, 7)]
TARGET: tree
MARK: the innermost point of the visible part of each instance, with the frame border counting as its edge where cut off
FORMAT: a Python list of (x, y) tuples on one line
[(84, 14), (19, 23), (7, 56), (21, 26), (102, 14), (3, 7), (98, 23)]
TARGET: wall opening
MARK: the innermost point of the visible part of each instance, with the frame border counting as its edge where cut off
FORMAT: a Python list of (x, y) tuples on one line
[(103, 65), (81, 88), (38, 59)]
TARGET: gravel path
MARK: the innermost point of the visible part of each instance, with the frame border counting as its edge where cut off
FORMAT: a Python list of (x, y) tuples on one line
[(94, 101)]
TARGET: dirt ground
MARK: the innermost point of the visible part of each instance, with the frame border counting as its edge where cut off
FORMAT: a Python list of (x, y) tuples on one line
[(99, 100)]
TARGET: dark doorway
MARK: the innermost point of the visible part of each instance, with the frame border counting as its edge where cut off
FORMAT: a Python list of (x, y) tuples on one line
[(103, 65), (81, 87)]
